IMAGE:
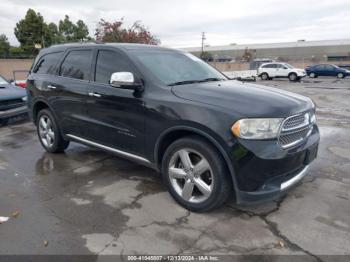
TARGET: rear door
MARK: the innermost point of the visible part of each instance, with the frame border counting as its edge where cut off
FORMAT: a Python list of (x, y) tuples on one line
[(71, 88), (42, 78), (115, 115), (272, 70)]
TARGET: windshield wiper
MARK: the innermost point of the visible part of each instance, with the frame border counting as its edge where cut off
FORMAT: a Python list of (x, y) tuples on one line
[(196, 81), (210, 79), (184, 82)]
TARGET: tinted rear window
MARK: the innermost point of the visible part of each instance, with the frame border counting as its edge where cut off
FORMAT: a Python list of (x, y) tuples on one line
[(47, 64), (77, 64)]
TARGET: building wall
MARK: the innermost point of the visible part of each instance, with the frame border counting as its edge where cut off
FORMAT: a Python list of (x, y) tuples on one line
[(240, 66), (294, 51), (7, 66)]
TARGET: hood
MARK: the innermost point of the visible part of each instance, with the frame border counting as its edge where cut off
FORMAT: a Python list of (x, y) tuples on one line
[(248, 100), (8, 92)]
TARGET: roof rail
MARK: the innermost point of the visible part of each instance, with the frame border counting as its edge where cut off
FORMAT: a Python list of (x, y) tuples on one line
[(79, 43)]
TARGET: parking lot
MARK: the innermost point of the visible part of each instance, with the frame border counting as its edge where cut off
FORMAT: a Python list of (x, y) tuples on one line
[(90, 202)]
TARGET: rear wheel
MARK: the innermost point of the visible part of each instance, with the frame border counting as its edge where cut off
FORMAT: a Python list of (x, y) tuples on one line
[(293, 77), (264, 76), (49, 134), (340, 75), (195, 174), (312, 75)]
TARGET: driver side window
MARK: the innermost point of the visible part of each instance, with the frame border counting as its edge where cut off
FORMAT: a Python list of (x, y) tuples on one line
[(109, 62)]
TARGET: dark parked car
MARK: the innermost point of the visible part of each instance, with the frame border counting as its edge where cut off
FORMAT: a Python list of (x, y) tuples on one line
[(211, 138), (12, 101), (326, 70)]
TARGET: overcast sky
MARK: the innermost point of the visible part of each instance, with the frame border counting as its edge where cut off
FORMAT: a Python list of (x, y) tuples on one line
[(179, 23)]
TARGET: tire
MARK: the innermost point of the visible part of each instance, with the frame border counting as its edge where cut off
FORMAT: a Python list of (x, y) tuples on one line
[(264, 76), (340, 75), (200, 191), (312, 75), (49, 133), (293, 77)]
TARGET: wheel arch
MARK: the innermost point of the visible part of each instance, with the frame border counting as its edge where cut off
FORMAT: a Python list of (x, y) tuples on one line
[(172, 134), (37, 107)]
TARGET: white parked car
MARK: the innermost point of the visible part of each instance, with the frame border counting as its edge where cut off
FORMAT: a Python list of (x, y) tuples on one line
[(271, 70)]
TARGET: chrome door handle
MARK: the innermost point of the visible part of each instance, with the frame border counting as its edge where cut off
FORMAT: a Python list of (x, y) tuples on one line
[(51, 87), (94, 94)]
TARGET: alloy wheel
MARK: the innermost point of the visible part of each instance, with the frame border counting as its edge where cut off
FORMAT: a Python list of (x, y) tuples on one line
[(191, 175), (47, 135)]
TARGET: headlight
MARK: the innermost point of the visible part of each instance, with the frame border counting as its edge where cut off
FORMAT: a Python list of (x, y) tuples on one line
[(257, 128), (24, 98)]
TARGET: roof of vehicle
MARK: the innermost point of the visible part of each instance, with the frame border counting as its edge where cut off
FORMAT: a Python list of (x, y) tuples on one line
[(126, 46), (271, 63)]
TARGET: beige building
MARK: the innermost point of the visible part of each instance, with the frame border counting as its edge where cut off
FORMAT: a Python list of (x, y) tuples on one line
[(318, 51)]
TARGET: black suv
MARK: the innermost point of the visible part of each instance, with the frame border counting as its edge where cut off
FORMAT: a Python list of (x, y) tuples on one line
[(210, 137)]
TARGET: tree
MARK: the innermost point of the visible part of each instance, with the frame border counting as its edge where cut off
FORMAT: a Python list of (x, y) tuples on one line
[(30, 31), (67, 29), (4, 46), (115, 32), (247, 56), (17, 52), (52, 35), (81, 31), (71, 32)]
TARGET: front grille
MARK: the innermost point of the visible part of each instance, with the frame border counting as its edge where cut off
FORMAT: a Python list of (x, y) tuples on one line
[(10, 104), (295, 122), (295, 129)]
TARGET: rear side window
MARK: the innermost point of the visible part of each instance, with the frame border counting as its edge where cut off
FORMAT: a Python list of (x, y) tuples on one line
[(329, 68), (77, 64), (109, 62), (270, 66), (47, 64)]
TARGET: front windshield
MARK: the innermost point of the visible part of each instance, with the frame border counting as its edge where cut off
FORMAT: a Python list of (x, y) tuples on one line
[(288, 66), (177, 68), (3, 81)]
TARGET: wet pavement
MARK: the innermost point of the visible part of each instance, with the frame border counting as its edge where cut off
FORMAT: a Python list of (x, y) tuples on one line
[(90, 202)]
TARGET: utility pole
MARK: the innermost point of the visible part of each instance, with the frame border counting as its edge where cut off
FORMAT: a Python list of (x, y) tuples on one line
[(203, 38)]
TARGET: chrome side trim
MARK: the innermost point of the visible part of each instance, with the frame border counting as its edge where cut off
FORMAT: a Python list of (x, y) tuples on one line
[(116, 151), (294, 179)]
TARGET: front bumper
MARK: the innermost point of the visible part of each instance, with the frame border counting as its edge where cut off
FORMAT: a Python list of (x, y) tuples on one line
[(273, 189), (301, 75), (14, 112), (267, 174)]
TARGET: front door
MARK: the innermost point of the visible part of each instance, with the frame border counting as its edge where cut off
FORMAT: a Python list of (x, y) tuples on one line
[(115, 115)]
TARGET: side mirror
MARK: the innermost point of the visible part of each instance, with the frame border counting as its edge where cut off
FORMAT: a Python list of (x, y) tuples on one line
[(125, 80)]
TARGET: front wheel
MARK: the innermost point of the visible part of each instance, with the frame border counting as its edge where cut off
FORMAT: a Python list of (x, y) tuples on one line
[(49, 134), (195, 174), (340, 75), (293, 77)]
